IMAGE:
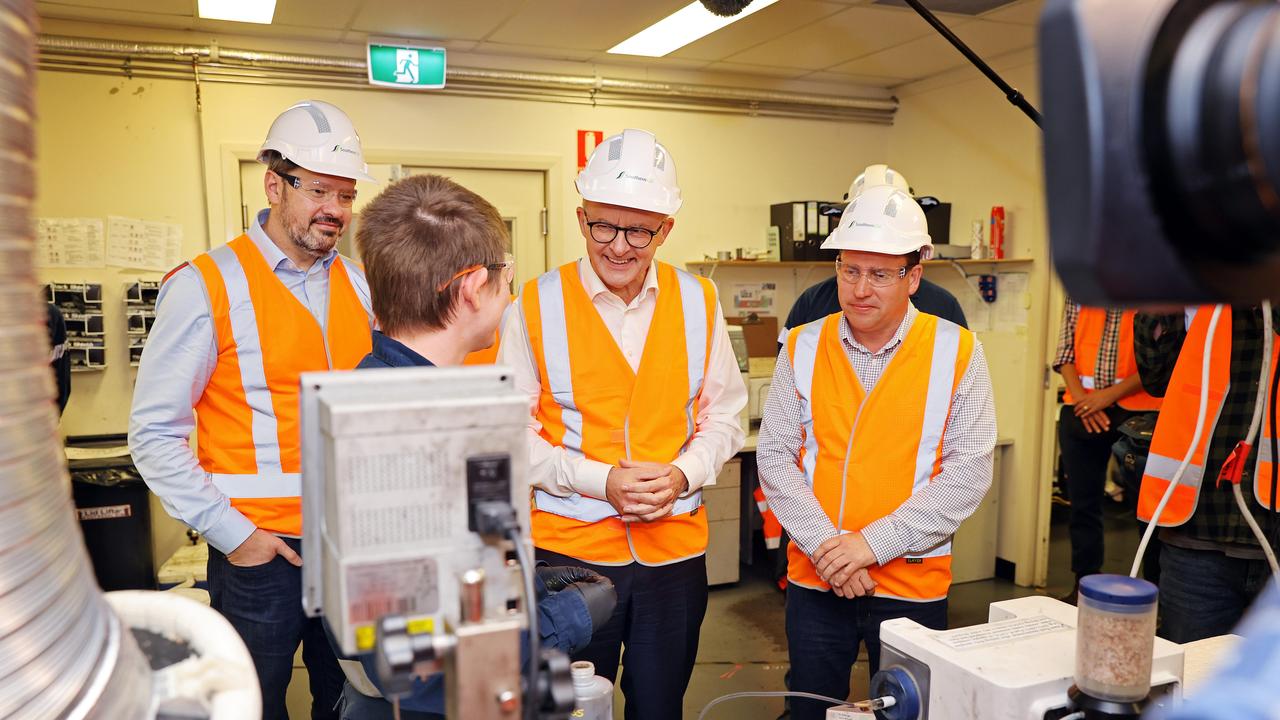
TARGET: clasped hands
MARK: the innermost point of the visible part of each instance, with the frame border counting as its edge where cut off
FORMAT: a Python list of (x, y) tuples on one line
[(842, 563), (644, 491)]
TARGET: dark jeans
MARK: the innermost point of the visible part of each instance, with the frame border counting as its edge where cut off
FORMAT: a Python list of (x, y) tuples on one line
[(264, 604), (1204, 593), (656, 623), (823, 633), (357, 706), (1084, 457)]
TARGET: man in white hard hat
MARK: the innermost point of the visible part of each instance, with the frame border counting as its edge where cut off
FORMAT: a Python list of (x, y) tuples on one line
[(635, 395), (875, 443), (234, 329)]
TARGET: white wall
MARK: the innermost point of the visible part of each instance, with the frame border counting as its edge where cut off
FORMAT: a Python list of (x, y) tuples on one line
[(956, 137)]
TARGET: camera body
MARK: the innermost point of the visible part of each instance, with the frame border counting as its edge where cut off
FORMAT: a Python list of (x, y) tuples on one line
[(1162, 149)]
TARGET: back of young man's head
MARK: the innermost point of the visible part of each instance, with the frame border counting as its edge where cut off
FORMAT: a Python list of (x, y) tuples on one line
[(414, 239)]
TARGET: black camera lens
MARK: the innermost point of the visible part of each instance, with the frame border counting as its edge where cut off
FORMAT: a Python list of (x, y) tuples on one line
[(1211, 117)]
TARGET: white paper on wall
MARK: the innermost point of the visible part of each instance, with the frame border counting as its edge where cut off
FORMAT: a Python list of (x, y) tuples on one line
[(145, 244), (69, 243)]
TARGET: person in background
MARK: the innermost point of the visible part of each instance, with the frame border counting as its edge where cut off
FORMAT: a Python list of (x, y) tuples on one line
[(1095, 359), (439, 279), (59, 361), (234, 329), (876, 442), (822, 299), (1211, 563), (635, 394)]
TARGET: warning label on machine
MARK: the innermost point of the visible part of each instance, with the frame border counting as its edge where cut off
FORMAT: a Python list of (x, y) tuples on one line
[(405, 587), (1000, 632)]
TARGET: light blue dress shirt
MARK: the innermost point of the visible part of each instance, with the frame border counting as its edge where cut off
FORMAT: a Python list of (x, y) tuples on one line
[(178, 360)]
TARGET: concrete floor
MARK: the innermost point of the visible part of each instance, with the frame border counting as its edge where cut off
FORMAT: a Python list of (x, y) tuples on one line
[(744, 647)]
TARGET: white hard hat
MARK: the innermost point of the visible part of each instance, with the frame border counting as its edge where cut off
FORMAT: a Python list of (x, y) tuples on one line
[(883, 219), (879, 174), (319, 137), (631, 170)]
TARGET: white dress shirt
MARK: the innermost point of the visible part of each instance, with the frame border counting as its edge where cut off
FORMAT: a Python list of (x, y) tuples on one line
[(718, 436), (179, 358)]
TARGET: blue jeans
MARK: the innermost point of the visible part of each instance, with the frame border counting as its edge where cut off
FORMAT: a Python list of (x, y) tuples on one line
[(357, 706), (823, 633), (264, 604), (656, 625), (1204, 593)]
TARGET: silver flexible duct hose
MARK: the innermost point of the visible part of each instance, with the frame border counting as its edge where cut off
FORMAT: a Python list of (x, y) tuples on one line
[(63, 653)]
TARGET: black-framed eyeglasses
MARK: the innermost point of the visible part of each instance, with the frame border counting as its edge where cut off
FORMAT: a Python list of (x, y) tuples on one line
[(878, 277), (637, 237), (318, 193)]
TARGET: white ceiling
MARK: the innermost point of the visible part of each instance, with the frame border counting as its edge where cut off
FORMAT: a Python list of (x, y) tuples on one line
[(832, 41)]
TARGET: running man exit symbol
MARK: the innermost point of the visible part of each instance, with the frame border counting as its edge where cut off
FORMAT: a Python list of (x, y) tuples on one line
[(407, 66)]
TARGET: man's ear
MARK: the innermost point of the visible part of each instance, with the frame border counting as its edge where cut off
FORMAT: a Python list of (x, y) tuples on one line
[(474, 285), (913, 277), (273, 185)]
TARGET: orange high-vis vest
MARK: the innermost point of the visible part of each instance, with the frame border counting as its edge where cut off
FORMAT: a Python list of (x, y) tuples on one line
[(1176, 425), (489, 355), (593, 404), (771, 527), (247, 418), (1090, 325), (865, 454)]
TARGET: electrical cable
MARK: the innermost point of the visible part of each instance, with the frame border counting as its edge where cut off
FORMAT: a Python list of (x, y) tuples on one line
[(1191, 449), (767, 693), (1254, 425), (531, 607)]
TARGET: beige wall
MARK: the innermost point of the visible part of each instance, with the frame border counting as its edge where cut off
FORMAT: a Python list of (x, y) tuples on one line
[(956, 137), (110, 145)]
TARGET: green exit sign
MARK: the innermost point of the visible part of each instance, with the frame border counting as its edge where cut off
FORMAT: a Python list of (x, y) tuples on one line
[(394, 64)]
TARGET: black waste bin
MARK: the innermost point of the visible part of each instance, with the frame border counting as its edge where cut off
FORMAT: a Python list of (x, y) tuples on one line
[(113, 505)]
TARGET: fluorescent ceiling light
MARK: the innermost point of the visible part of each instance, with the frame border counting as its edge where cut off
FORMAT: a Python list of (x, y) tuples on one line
[(679, 29), (252, 11)]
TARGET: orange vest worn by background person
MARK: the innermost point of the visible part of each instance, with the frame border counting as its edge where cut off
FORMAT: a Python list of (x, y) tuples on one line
[(865, 454), (1176, 425), (1090, 323), (247, 418), (593, 404)]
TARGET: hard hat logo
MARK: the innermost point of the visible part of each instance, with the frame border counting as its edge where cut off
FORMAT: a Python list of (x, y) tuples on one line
[(305, 134), (884, 219), (631, 170)]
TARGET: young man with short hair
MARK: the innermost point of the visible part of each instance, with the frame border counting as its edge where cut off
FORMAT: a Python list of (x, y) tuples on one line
[(439, 279)]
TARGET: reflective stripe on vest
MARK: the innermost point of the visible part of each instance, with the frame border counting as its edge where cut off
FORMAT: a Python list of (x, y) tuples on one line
[(851, 436), (1175, 426), (645, 414), (247, 416), (1090, 327), (1263, 470)]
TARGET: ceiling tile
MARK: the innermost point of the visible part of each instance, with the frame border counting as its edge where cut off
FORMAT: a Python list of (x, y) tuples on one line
[(745, 69), (932, 54), (115, 16), (536, 51), (851, 79), (1026, 12), (662, 63), (852, 33), (332, 14), (437, 19), (161, 7), (288, 32), (774, 21), (582, 24)]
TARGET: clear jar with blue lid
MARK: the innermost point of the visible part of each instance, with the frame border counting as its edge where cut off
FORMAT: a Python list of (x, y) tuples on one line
[(1115, 637)]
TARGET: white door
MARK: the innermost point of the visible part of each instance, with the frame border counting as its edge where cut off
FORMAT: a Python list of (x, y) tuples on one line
[(520, 197)]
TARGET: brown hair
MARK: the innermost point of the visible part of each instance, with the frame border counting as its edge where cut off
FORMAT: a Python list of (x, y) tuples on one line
[(278, 163), (413, 238)]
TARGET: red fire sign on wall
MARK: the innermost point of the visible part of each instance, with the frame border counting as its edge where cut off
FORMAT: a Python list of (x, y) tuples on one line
[(587, 141)]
